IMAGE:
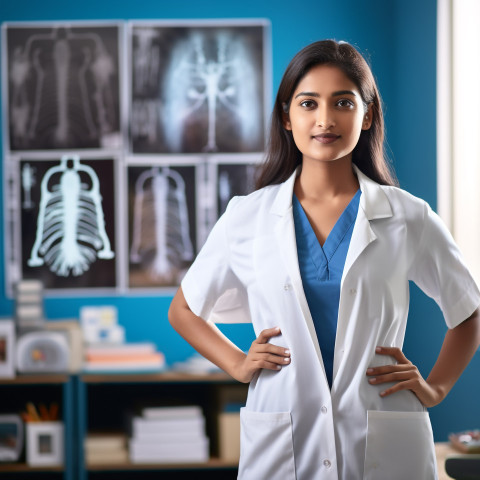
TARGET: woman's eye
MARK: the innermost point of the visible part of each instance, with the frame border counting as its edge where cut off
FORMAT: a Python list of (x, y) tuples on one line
[(308, 104), (344, 103)]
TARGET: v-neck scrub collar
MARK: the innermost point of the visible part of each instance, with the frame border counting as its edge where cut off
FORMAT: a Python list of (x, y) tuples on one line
[(321, 269)]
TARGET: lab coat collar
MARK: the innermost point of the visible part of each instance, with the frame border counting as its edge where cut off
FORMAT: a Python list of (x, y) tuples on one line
[(374, 201)]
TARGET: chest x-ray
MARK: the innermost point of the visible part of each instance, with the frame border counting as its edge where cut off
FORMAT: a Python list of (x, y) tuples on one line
[(162, 220), (67, 222), (197, 90), (63, 87)]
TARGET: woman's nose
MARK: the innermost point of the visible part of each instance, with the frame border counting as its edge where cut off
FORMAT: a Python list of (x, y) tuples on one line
[(324, 118)]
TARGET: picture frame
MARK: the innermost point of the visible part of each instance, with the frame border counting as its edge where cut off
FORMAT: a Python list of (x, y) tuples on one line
[(7, 348), (94, 254), (44, 443), (85, 113), (198, 87), (160, 257)]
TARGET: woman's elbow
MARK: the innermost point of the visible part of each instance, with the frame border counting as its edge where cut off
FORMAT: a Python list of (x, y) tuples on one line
[(179, 312), (173, 309)]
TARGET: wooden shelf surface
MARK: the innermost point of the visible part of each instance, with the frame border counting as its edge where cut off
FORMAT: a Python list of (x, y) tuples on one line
[(164, 377), (212, 463), (23, 467), (32, 379)]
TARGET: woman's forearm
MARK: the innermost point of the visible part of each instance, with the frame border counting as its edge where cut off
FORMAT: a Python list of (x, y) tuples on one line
[(458, 348), (204, 336)]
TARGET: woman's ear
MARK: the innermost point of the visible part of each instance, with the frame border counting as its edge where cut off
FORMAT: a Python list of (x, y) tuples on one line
[(286, 117), (368, 118)]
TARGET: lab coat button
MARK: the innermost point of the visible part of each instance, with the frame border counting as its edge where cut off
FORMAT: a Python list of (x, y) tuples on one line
[(327, 463), (287, 286), (353, 291), (324, 409)]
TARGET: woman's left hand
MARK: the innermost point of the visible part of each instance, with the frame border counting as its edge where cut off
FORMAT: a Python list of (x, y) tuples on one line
[(406, 376)]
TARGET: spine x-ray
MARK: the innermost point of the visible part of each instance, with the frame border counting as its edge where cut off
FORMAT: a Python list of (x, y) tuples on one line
[(197, 89), (162, 219), (63, 87), (67, 212)]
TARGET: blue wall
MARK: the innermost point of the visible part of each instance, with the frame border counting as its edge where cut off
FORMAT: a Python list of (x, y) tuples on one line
[(399, 38)]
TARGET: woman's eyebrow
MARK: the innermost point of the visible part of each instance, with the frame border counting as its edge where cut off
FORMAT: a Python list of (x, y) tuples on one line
[(344, 92), (334, 94), (307, 94)]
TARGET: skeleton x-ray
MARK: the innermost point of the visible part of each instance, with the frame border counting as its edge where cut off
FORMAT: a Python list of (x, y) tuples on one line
[(63, 87), (68, 222), (161, 224), (232, 180), (197, 89)]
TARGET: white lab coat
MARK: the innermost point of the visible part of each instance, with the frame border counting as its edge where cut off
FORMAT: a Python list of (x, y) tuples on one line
[(293, 426)]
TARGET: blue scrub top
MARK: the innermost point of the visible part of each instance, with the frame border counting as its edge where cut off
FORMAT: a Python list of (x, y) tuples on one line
[(321, 269)]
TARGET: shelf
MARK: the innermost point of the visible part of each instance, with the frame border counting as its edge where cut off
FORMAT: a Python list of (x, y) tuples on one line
[(211, 464), (165, 377), (23, 467), (32, 379)]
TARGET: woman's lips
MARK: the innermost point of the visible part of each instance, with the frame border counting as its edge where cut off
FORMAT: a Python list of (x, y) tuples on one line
[(326, 138)]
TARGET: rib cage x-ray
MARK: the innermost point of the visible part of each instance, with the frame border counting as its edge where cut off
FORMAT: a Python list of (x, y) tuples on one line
[(161, 242), (70, 227), (63, 87), (210, 91)]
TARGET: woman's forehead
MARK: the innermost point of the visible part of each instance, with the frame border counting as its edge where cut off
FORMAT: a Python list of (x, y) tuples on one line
[(325, 79)]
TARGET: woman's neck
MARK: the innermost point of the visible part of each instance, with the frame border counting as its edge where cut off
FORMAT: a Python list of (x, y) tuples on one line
[(321, 181)]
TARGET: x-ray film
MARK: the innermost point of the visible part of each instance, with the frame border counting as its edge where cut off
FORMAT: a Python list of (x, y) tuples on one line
[(63, 86), (233, 180), (197, 89), (162, 221), (67, 212)]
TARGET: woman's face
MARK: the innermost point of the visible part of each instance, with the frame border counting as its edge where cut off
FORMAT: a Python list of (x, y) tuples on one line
[(326, 115)]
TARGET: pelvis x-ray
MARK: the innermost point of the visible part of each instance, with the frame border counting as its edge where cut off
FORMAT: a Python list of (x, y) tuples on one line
[(161, 224), (197, 89), (63, 87), (67, 213)]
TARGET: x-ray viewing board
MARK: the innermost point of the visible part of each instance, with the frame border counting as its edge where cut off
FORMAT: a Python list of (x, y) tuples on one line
[(116, 170)]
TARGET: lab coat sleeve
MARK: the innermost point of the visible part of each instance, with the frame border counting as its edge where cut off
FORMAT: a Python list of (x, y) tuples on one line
[(210, 287), (438, 268)]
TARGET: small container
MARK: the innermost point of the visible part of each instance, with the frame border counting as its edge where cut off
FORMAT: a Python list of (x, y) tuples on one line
[(45, 443)]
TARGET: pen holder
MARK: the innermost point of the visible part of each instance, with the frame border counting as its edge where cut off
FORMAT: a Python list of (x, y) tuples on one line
[(44, 442)]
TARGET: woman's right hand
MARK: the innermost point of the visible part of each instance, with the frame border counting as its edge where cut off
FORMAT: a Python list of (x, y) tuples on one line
[(262, 355)]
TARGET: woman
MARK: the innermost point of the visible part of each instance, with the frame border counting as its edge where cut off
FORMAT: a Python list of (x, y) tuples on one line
[(319, 259)]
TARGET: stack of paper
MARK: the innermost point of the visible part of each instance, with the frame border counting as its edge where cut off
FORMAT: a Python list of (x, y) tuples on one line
[(106, 449), (125, 357), (169, 435), (29, 312)]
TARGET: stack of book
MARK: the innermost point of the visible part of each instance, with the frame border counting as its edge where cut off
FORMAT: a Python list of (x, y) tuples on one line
[(169, 435), (123, 357), (106, 449)]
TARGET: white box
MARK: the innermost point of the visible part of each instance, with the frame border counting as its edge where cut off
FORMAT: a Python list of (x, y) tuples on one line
[(45, 441), (229, 436)]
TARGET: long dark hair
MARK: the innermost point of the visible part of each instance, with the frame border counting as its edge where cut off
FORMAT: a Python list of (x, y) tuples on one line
[(283, 156)]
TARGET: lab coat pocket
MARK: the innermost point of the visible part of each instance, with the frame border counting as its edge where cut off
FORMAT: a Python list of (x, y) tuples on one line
[(399, 446), (266, 447)]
